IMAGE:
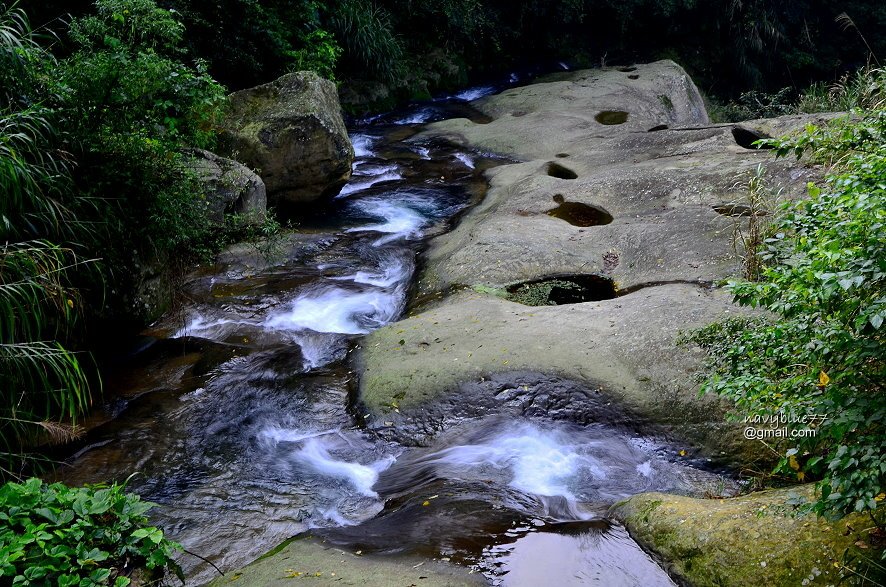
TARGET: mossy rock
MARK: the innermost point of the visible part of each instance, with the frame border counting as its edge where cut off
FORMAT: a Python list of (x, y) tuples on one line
[(765, 538), (292, 132)]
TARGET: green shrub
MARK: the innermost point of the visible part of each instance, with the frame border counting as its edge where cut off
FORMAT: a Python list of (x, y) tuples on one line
[(95, 535), (821, 351), (320, 53), (130, 106)]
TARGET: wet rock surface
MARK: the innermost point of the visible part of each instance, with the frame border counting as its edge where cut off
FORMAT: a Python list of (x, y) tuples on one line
[(508, 395)]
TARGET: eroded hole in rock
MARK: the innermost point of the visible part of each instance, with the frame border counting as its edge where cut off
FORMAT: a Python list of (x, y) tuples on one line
[(561, 290), (562, 155), (578, 214), (745, 138), (612, 117), (658, 128), (627, 69), (518, 114), (737, 210), (634, 76), (560, 172)]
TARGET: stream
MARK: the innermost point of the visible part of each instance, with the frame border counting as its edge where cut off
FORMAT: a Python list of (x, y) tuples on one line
[(238, 413)]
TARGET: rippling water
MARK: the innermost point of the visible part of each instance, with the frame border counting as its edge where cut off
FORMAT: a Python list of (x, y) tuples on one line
[(239, 418)]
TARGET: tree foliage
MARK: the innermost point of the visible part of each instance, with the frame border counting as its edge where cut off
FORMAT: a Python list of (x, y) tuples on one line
[(730, 46), (130, 104)]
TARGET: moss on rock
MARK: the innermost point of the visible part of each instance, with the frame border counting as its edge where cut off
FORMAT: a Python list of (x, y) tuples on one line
[(764, 538)]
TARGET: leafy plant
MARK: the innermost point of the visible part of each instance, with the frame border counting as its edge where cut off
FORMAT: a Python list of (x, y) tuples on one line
[(755, 104), (821, 354), (320, 53), (95, 535), (130, 106)]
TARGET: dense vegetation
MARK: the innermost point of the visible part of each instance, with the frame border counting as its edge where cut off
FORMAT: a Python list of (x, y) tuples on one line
[(96, 535), (819, 360), (729, 46), (96, 196)]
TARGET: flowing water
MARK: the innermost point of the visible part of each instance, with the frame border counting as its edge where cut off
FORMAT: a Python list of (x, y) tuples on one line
[(238, 415)]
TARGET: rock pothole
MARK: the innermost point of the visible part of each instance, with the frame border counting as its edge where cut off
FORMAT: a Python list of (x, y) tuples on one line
[(560, 172), (612, 117), (634, 76), (628, 69), (560, 290), (658, 128), (746, 138), (737, 210), (579, 214)]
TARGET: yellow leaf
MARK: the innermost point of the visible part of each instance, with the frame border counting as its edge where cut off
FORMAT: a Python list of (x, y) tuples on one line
[(792, 462), (880, 497), (682, 453), (426, 503), (801, 476), (823, 379), (70, 303)]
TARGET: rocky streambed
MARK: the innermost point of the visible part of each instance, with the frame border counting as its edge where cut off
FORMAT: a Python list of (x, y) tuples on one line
[(452, 371)]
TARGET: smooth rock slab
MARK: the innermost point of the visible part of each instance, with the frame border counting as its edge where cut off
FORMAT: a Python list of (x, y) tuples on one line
[(623, 347), (309, 561), (664, 250)]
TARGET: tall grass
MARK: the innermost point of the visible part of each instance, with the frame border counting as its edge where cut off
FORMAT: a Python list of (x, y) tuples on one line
[(370, 43), (865, 88), (43, 386)]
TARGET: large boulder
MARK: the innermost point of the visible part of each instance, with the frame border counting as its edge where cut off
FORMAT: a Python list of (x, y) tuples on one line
[(589, 257), (292, 132), (229, 187)]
